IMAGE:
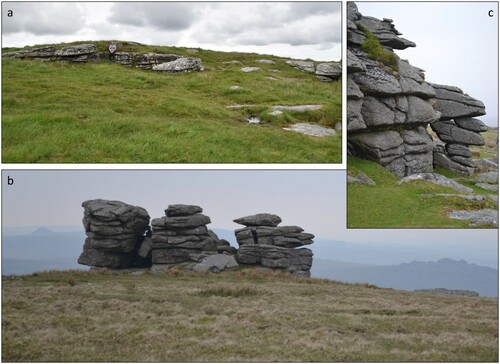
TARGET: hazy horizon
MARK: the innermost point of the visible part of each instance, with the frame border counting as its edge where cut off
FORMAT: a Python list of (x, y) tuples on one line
[(314, 200)]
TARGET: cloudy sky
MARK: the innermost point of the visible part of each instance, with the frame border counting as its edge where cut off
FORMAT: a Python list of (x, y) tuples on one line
[(314, 200), (457, 44), (298, 30)]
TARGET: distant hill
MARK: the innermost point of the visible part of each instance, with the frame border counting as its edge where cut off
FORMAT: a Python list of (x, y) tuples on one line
[(42, 249), (445, 273)]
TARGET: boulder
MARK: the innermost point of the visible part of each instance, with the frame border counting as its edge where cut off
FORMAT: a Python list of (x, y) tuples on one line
[(437, 179), (182, 210), (250, 69), (216, 263), (307, 66), (180, 65), (262, 219), (476, 217), (488, 177), (115, 231), (328, 71)]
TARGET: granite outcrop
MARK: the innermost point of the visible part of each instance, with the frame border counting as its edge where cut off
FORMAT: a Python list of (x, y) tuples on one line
[(391, 105), (262, 242), (119, 236), (89, 53)]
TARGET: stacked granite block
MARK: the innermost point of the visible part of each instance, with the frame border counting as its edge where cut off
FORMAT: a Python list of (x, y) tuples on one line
[(457, 128), (263, 242), (115, 232), (182, 236)]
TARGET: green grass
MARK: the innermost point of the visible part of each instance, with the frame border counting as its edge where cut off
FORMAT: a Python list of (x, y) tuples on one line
[(389, 205), (99, 112), (375, 51), (242, 316)]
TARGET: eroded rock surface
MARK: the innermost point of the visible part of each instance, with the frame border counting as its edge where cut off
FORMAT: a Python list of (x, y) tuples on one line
[(390, 106), (263, 242), (115, 232), (88, 53)]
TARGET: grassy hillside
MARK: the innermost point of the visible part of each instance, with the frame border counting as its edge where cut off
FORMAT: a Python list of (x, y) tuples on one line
[(102, 112), (247, 315), (389, 205)]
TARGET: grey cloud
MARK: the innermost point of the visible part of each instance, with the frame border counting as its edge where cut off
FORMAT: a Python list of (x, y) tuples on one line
[(304, 9), (262, 24), (159, 15), (40, 18)]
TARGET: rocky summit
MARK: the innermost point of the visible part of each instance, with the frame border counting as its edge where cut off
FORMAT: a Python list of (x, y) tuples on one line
[(119, 236), (263, 242), (390, 105), (88, 53)]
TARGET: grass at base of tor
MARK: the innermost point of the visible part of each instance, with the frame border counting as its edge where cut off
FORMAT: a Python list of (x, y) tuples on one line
[(102, 112), (248, 315), (389, 205)]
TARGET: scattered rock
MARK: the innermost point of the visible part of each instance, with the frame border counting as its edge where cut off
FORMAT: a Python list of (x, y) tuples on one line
[(437, 179), (465, 197), (297, 108), (180, 65), (240, 106), (231, 62), (216, 263), (360, 178), (265, 61), (328, 71), (307, 66), (488, 177), (253, 120), (486, 165), (250, 69), (487, 186), (311, 129), (235, 87), (276, 112), (476, 217)]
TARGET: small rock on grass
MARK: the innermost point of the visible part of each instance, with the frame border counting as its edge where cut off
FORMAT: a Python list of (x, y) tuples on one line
[(360, 178), (488, 177), (487, 186), (476, 217), (250, 69), (437, 179), (311, 129)]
